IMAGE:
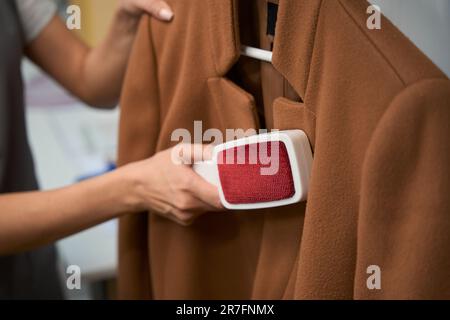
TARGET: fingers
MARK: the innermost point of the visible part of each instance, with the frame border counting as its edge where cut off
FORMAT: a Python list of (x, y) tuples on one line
[(197, 186), (189, 154), (185, 211), (158, 9), (167, 210), (208, 152), (204, 191), (184, 218)]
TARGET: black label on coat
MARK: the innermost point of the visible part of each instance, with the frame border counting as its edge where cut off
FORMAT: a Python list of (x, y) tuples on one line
[(272, 14)]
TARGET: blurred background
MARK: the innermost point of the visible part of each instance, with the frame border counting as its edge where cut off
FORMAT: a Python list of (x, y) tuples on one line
[(71, 142)]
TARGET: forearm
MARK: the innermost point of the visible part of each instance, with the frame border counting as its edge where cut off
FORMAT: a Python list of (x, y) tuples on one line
[(93, 75), (31, 219), (104, 66), (28, 220)]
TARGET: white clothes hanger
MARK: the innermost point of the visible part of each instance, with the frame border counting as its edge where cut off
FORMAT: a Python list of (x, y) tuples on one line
[(255, 53)]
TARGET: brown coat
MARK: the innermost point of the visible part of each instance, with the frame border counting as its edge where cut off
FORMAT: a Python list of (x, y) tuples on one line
[(377, 112)]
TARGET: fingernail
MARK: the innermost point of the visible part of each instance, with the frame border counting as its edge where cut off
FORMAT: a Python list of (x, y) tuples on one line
[(166, 14)]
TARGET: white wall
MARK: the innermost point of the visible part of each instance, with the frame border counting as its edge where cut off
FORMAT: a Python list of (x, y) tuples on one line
[(426, 23)]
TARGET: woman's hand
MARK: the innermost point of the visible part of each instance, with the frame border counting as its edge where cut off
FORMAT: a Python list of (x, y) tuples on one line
[(171, 189), (157, 8)]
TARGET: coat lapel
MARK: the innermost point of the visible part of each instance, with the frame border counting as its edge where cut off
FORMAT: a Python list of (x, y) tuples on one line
[(294, 40), (224, 33), (293, 47)]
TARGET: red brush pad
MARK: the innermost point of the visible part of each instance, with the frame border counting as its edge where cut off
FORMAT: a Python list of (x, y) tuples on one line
[(242, 181)]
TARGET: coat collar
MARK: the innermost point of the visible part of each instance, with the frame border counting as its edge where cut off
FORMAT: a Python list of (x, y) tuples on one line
[(224, 33), (294, 39)]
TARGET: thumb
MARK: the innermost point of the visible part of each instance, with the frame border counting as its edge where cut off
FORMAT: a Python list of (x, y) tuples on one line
[(158, 9), (204, 191), (192, 153)]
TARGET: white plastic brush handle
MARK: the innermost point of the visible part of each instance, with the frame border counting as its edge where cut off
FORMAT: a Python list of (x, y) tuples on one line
[(300, 158), (208, 170)]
